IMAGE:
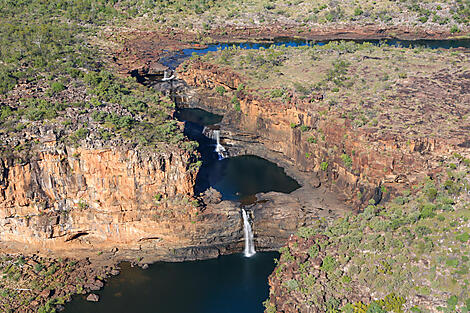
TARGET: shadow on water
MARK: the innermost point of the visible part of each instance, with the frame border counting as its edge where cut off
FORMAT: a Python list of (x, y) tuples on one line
[(236, 178), (229, 284), (197, 116)]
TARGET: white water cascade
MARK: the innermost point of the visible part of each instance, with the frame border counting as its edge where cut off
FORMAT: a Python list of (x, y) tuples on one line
[(166, 77), (215, 135), (249, 245), (219, 148)]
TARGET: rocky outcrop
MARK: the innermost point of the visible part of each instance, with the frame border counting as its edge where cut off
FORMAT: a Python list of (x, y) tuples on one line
[(276, 216)]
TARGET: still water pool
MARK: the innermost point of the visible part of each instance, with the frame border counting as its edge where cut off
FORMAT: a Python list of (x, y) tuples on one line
[(229, 284)]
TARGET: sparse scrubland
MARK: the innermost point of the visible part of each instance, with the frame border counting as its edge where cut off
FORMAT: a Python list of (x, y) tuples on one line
[(408, 255), (58, 85), (396, 90)]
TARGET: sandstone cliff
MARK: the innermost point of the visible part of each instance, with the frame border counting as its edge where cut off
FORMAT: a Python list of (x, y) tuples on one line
[(361, 163), (64, 199)]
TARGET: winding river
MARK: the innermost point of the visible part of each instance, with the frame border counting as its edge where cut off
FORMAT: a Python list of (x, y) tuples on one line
[(229, 284)]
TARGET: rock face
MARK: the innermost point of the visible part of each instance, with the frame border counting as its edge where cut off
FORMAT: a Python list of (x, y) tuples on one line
[(68, 199), (355, 163), (276, 216)]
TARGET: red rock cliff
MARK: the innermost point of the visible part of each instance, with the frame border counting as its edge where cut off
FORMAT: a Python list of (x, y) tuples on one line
[(353, 161), (66, 199)]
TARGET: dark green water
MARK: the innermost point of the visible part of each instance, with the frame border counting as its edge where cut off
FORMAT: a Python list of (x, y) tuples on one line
[(236, 178), (241, 177), (229, 284), (197, 116)]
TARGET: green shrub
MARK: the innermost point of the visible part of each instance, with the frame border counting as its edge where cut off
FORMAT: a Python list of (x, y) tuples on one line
[(324, 166), (38, 267), (346, 160), (454, 29), (463, 237), (329, 264), (220, 90), (431, 193), (236, 103), (57, 87), (306, 232), (82, 133), (277, 93), (311, 139), (427, 211), (358, 11)]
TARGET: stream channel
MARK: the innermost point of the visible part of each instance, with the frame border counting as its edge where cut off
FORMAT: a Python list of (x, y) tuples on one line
[(231, 283)]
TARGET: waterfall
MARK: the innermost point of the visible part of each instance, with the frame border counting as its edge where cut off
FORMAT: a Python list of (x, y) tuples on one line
[(219, 148), (249, 245), (215, 135), (166, 77)]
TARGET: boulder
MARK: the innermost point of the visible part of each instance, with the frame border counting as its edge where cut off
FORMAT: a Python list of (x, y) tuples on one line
[(93, 297)]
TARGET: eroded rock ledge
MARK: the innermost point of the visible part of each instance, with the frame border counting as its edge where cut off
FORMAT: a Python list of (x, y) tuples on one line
[(79, 201), (375, 163)]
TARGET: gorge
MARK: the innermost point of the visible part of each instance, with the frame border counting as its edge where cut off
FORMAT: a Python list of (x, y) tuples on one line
[(235, 146), (178, 145)]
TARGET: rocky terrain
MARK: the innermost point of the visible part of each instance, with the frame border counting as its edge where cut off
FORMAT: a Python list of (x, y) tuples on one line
[(338, 105), (92, 164), (391, 136), (409, 255), (41, 284), (260, 18)]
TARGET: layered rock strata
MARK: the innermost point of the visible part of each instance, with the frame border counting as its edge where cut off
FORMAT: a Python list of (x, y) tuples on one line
[(356, 163), (82, 199)]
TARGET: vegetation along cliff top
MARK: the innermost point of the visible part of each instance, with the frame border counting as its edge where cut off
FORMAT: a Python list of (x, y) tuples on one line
[(381, 89), (452, 16), (56, 87)]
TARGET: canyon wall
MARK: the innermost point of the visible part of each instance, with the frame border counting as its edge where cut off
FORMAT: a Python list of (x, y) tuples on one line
[(66, 199), (319, 142)]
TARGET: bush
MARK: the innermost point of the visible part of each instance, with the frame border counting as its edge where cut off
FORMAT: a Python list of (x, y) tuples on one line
[(346, 160), (220, 90), (358, 11), (82, 133), (236, 103), (329, 264), (7, 81), (463, 237), (57, 87), (427, 211), (277, 93), (454, 29), (311, 139)]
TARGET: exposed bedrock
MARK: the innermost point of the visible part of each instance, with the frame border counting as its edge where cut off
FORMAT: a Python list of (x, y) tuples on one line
[(276, 216), (355, 164), (132, 204), (75, 201)]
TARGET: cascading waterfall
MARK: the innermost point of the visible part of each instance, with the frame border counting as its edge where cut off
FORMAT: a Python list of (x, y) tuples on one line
[(249, 244), (219, 148), (215, 135), (166, 77)]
